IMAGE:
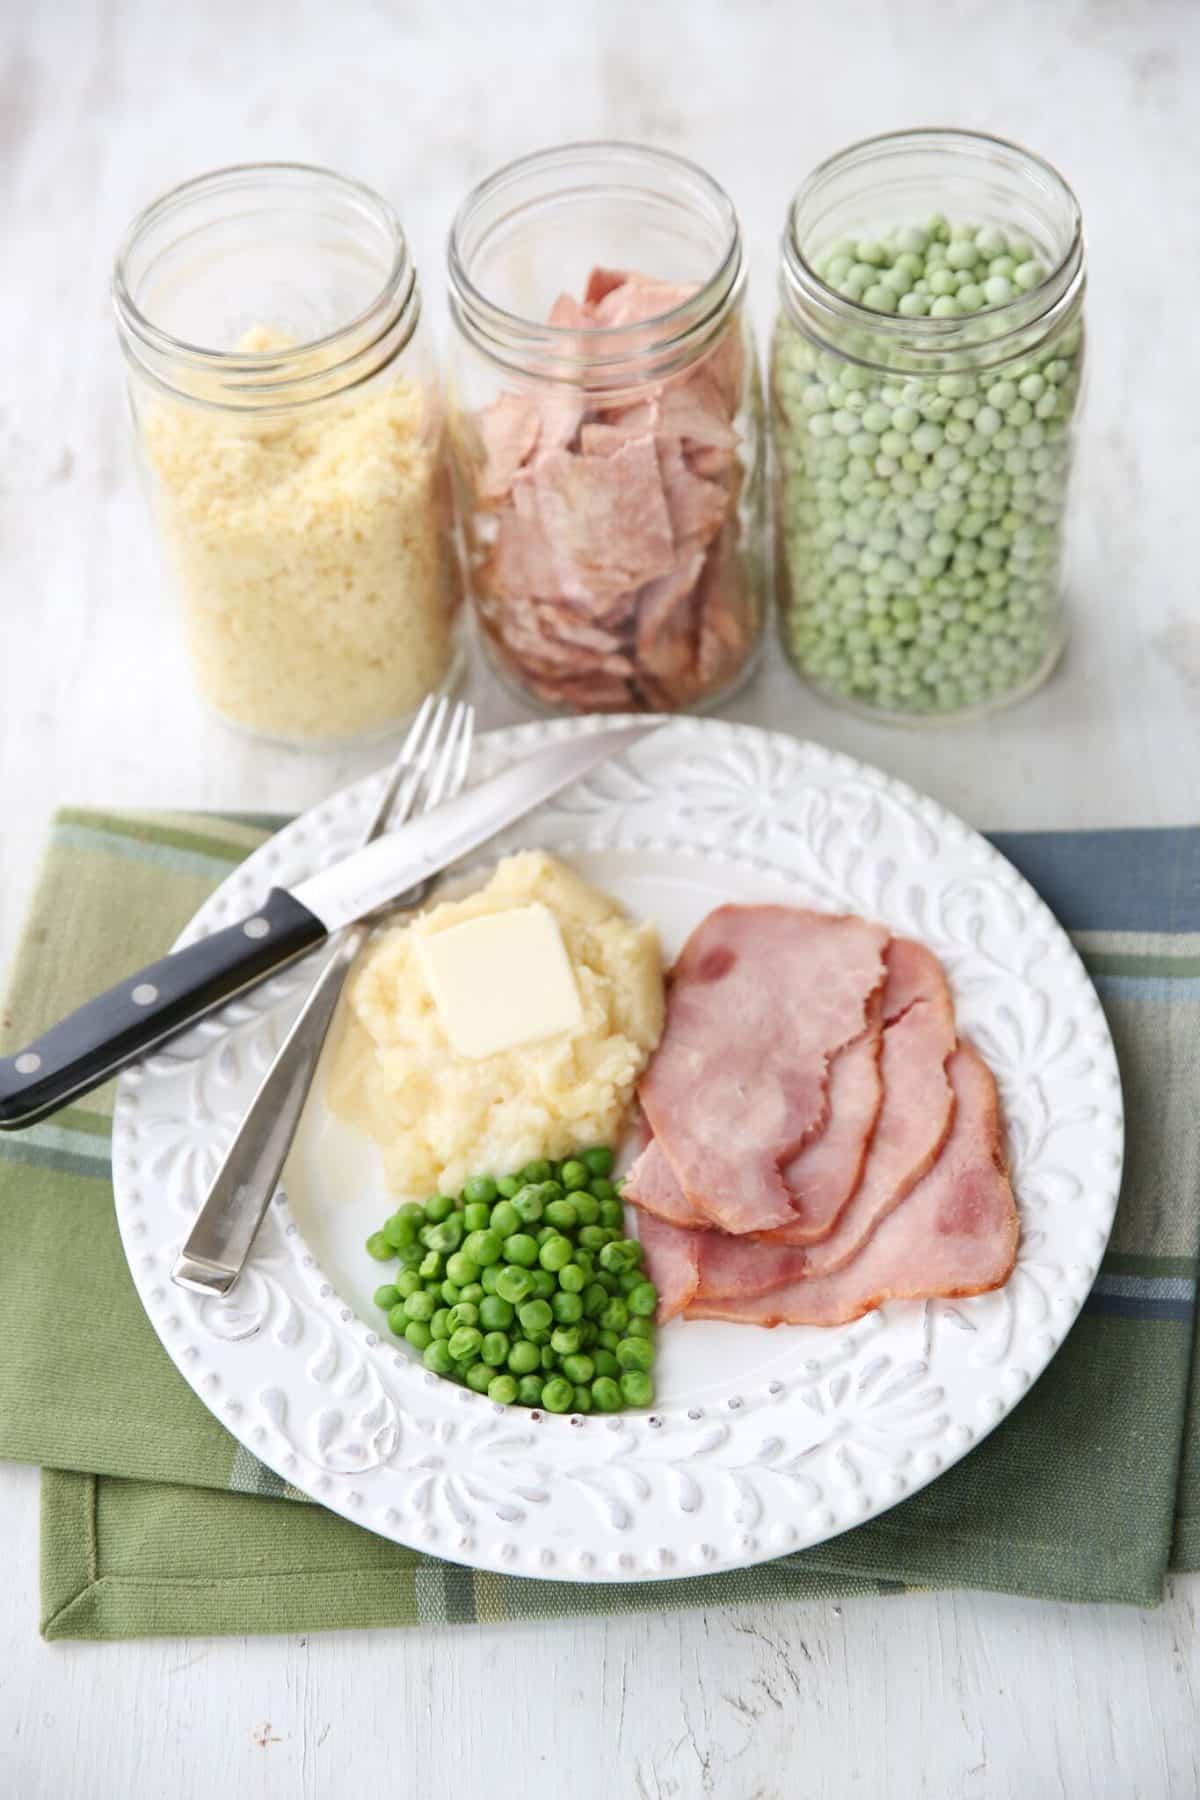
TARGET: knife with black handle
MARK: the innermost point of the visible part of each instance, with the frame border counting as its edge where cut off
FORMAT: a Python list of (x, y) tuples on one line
[(145, 1009)]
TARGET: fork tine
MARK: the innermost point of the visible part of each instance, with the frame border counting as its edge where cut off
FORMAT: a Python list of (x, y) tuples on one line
[(449, 757), (390, 802)]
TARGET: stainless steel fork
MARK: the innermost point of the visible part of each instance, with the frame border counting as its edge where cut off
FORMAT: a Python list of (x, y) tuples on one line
[(432, 766)]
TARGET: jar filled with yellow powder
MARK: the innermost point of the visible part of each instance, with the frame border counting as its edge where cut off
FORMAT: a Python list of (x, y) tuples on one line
[(289, 421)]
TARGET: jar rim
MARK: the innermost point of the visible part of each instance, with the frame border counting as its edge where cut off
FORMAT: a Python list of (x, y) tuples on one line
[(396, 295), (680, 331), (924, 333)]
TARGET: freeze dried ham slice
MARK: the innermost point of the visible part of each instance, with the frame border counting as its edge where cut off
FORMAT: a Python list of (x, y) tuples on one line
[(637, 300), (509, 430), (956, 1233), (605, 519), (761, 999), (697, 507), (915, 1114)]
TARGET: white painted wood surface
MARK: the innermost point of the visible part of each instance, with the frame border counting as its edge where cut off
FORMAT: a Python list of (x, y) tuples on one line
[(105, 102)]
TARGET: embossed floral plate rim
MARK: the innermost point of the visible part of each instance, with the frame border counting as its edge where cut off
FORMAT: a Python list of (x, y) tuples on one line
[(843, 1423)]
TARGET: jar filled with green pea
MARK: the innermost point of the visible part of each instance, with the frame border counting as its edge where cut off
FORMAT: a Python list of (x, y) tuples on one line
[(925, 383)]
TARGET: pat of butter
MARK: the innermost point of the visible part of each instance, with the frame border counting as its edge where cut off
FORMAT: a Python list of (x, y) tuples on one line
[(501, 980)]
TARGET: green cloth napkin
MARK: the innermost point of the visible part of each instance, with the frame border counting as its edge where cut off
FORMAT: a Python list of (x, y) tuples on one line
[(154, 1520)]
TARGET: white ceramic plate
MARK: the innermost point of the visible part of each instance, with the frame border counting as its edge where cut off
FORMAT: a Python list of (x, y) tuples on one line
[(761, 1442)]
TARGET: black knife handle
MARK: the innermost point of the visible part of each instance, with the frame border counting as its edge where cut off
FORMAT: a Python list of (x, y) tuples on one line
[(117, 1027)]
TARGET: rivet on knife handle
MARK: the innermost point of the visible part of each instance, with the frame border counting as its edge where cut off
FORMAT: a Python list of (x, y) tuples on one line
[(117, 1027)]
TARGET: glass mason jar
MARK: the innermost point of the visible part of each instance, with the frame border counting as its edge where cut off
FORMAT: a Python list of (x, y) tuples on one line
[(925, 380), (606, 416), (291, 431)]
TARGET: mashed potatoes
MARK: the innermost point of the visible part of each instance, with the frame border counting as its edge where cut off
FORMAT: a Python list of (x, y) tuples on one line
[(440, 1118)]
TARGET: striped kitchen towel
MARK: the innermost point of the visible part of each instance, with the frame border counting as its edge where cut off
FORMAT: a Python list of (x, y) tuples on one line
[(155, 1520)]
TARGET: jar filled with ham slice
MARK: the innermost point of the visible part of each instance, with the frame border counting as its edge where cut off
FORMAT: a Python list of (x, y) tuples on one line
[(607, 426)]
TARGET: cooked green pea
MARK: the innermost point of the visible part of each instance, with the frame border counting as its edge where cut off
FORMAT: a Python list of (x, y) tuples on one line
[(609, 1283), (589, 1331), (594, 1237), (464, 1313), (626, 1283), (595, 1299), (418, 1334), (575, 1175), (568, 1308), (379, 1248), (430, 1266), (439, 1324), (549, 1357), (583, 1400), (615, 1316), (544, 1234), (615, 1258), (550, 1190), (387, 1296), (402, 1229), (603, 1190), (464, 1343), (419, 1306), (555, 1254), (572, 1279), (608, 1340), (558, 1395), (481, 1190), (586, 1260), (577, 1367), (529, 1390), (483, 1247), (411, 1256), (507, 1186), (535, 1315), (408, 1281), (513, 1285), (606, 1395), (462, 1268), (643, 1300), (587, 1207), (502, 1389), (494, 1349), (640, 1326), (437, 1208), (637, 1388), (527, 1202), (606, 1363), (437, 1358), (544, 1284), (520, 1248), (612, 1214), (473, 1291), (562, 1215), (505, 1219), (536, 1171), (524, 1357), (398, 1318), (445, 1237), (599, 1160), (480, 1377), (488, 1278), (634, 1353), (495, 1314), (475, 1216), (565, 1340), (451, 1292)]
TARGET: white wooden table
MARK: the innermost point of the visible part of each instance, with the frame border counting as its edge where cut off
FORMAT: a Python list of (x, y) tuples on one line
[(104, 104)]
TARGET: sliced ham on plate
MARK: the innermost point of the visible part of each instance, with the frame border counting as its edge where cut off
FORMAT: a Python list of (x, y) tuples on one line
[(917, 1105), (762, 999), (956, 1233)]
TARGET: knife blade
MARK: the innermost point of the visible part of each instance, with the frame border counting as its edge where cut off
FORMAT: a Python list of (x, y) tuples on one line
[(121, 1025)]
